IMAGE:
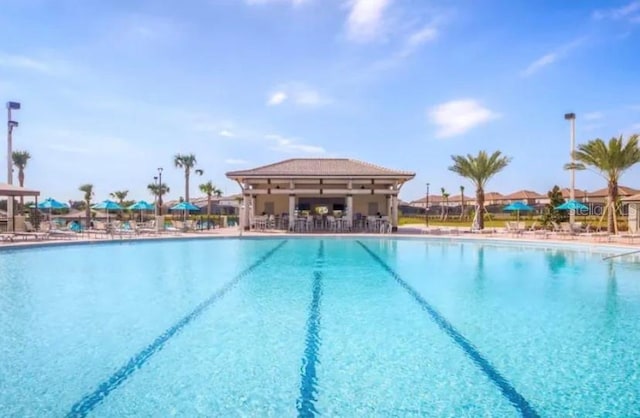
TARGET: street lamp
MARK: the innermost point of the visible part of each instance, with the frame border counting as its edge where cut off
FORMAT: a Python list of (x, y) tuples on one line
[(11, 124), (572, 189), (160, 190), (426, 207), (155, 195)]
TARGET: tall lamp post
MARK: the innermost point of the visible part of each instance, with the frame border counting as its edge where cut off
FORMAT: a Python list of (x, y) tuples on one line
[(572, 188), (11, 124), (160, 190), (426, 207), (155, 195)]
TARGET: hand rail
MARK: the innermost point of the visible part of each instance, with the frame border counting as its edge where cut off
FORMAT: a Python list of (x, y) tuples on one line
[(621, 255)]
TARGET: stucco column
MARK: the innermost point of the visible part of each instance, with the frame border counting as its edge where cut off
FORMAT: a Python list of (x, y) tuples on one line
[(292, 210), (394, 211), (350, 210), (246, 223)]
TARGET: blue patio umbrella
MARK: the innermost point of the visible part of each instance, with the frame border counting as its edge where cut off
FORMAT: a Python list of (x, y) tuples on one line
[(572, 205), (518, 206), (107, 205), (50, 204), (186, 206), (141, 206)]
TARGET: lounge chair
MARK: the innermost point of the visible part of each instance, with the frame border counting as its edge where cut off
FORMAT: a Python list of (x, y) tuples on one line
[(30, 232), (6, 237)]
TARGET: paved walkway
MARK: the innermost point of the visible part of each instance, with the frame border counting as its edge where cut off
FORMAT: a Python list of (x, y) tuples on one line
[(407, 231)]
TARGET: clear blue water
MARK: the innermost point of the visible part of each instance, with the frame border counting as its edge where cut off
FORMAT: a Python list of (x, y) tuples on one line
[(333, 327)]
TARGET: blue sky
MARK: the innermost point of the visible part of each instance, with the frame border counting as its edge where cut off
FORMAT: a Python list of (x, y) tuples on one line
[(112, 90)]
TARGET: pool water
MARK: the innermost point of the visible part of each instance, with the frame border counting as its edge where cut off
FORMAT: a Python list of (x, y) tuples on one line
[(329, 327)]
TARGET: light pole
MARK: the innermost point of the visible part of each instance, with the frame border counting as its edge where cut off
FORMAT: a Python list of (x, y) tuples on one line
[(572, 188), (426, 207), (155, 195), (160, 190), (11, 124)]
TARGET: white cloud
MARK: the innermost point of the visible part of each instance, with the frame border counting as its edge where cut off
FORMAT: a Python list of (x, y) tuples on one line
[(629, 11), (226, 133), (551, 57), (47, 66), (540, 63), (291, 146), (297, 93), (235, 161), (593, 115), (277, 98), (292, 2), (459, 116), (365, 20)]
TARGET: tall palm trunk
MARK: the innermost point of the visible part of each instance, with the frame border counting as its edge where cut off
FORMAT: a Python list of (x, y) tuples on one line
[(480, 206), (87, 213), (612, 222), (186, 184), (21, 182), (462, 203), (208, 210)]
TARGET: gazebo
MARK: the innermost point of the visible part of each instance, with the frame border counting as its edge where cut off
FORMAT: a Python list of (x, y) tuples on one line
[(11, 191), (353, 188)]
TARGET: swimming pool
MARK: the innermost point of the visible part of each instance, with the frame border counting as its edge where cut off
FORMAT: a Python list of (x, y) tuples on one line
[(302, 326)]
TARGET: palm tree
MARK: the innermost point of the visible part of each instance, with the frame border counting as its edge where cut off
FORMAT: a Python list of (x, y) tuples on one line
[(479, 169), (612, 160), (186, 161), (88, 194), (442, 207), (20, 159), (121, 195), (210, 189), (158, 190), (462, 202)]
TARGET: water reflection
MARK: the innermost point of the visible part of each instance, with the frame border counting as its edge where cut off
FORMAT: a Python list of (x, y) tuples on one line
[(556, 261), (611, 303)]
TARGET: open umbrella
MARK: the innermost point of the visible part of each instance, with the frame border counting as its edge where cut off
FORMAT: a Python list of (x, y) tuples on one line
[(517, 207), (51, 204), (185, 207), (572, 205), (141, 206), (107, 205)]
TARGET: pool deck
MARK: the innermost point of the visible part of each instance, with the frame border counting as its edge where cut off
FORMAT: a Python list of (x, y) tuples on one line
[(591, 241)]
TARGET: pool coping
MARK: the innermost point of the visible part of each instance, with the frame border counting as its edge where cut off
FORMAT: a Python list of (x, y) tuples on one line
[(233, 233)]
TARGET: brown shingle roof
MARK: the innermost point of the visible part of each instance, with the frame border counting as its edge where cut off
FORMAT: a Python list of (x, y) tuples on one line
[(523, 194), (320, 167), (622, 191)]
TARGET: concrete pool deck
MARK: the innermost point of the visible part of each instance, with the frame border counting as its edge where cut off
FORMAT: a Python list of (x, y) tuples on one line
[(408, 231)]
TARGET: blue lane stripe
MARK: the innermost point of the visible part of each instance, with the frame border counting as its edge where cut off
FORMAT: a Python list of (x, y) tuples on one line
[(308, 379), (512, 395), (90, 401)]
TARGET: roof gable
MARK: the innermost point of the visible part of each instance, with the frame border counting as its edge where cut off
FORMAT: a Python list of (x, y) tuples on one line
[(326, 167)]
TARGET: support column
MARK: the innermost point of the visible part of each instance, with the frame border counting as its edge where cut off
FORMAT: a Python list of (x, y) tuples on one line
[(292, 210), (394, 211), (350, 210), (245, 221)]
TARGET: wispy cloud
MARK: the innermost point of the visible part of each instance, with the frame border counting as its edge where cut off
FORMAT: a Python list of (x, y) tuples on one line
[(297, 93), (459, 116), (630, 11), (292, 146), (411, 44), (366, 19), (226, 133), (593, 116), (276, 98), (292, 2), (550, 58), (44, 65), (235, 161), (89, 144)]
